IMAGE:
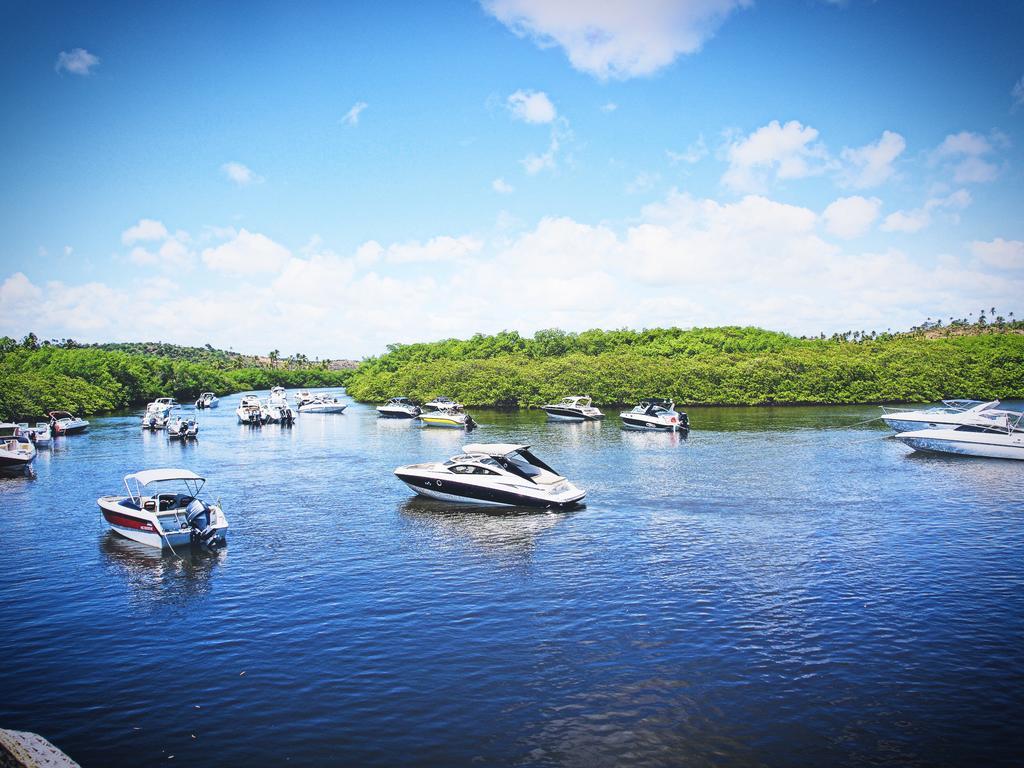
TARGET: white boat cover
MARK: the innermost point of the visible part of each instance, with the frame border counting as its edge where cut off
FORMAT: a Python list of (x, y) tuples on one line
[(147, 476)]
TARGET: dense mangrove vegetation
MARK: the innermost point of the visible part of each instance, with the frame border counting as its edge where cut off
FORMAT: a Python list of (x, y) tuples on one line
[(36, 377), (715, 366)]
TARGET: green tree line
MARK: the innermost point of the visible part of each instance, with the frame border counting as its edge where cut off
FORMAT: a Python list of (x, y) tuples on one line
[(714, 366), (38, 378)]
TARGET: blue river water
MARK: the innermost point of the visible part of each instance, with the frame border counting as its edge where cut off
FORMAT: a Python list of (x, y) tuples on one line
[(786, 586)]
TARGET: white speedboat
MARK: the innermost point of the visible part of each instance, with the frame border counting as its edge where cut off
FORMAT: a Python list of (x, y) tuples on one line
[(302, 396), (322, 404), (1003, 438), (492, 473), (277, 407), (250, 411), (166, 404), (16, 449), (442, 402), (654, 413), (165, 518), (398, 408), (573, 409), (63, 423), (450, 416), (155, 417), (207, 400), (40, 434), (183, 429), (952, 413)]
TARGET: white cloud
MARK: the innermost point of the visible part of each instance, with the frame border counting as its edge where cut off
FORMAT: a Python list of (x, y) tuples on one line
[(68, 250), (965, 155), (1005, 254), (642, 182), (437, 249), (145, 229), (872, 164), (919, 218), (1017, 95), (611, 39), (247, 253), (609, 106), (774, 151), (850, 217), (531, 107), (77, 61), (548, 160), (694, 153), (502, 187), (241, 174), (351, 117)]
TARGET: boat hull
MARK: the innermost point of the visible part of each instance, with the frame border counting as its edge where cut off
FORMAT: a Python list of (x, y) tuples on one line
[(396, 413), (465, 493), (442, 421), (322, 408), (568, 414), (652, 425), (902, 424), (143, 529), (953, 442)]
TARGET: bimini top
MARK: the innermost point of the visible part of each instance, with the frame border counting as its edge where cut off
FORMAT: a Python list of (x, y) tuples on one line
[(494, 449), (147, 476), (60, 415)]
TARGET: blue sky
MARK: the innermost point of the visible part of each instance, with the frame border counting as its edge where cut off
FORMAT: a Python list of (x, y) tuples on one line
[(329, 178)]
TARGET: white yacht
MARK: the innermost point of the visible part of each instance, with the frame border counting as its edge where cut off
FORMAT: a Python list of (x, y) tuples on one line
[(278, 409), (398, 408), (155, 417), (1001, 438), (492, 473), (322, 404), (302, 396), (250, 411), (657, 414), (162, 518), (183, 429), (207, 400), (16, 449), (63, 423), (40, 434), (573, 409), (450, 416), (952, 413)]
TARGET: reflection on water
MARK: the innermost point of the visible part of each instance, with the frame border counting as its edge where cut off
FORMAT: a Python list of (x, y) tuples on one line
[(507, 530), (155, 575)]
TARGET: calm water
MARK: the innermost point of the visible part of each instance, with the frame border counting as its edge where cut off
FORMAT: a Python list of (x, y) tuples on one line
[(778, 589)]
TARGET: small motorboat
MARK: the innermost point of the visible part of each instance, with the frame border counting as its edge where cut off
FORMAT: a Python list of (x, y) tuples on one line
[(573, 409), (398, 408), (63, 423), (656, 414), (493, 473), (442, 402), (165, 518), (1002, 438), (183, 429), (250, 411), (450, 416), (40, 434), (951, 414), (16, 449), (278, 409), (302, 396), (207, 400), (155, 417), (322, 404)]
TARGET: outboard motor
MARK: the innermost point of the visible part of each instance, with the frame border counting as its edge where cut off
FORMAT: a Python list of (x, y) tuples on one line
[(199, 519)]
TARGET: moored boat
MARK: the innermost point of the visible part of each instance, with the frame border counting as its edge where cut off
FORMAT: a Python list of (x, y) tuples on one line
[(40, 434), (250, 411), (450, 417), (322, 404), (398, 408), (63, 423), (207, 400), (16, 449), (1002, 438), (165, 518), (155, 417), (655, 414), (278, 409), (951, 414), (183, 429), (492, 473), (579, 408)]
